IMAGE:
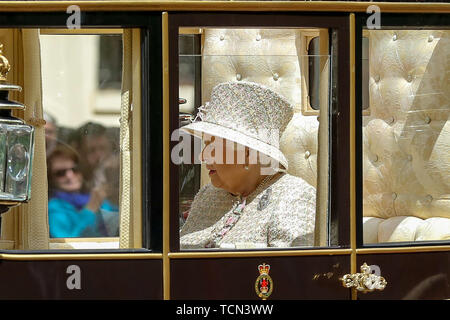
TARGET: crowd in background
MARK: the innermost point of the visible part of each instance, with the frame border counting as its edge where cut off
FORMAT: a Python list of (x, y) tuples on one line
[(83, 169)]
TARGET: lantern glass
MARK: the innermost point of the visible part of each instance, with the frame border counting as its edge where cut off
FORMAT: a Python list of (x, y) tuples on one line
[(16, 148), (3, 137)]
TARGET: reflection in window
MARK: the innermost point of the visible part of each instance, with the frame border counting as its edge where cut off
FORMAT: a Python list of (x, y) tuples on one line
[(365, 73), (406, 137), (110, 62), (82, 145), (314, 72), (248, 196)]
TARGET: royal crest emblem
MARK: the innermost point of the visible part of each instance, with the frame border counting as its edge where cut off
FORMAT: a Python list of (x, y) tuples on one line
[(264, 283)]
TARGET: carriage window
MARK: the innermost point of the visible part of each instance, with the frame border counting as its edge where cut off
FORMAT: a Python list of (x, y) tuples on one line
[(406, 136), (81, 81), (248, 158)]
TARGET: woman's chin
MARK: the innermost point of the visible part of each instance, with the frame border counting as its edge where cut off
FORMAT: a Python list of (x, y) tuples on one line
[(216, 182)]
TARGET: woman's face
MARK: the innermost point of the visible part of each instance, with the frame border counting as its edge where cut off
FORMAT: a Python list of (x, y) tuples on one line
[(224, 162), (66, 175)]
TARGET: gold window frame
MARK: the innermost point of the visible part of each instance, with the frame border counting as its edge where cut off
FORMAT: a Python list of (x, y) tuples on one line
[(133, 234)]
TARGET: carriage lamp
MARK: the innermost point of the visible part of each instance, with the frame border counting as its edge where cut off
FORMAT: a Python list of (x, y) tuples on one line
[(16, 146)]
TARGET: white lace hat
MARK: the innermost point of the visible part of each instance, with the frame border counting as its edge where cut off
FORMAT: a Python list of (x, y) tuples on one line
[(247, 113)]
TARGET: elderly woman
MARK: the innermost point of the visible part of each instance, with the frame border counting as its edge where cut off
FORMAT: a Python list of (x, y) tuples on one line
[(251, 201)]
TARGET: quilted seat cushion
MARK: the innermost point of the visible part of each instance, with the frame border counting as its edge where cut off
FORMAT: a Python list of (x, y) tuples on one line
[(405, 228)]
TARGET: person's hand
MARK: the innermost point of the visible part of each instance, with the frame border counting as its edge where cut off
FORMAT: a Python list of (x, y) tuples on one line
[(98, 194)]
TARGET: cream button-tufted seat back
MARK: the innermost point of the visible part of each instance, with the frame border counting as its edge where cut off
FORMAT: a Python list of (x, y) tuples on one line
[(406, 149), (270, 57), (406, 137)]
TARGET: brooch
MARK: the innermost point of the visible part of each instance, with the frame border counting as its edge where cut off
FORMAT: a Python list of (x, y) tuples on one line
[(265, 200)]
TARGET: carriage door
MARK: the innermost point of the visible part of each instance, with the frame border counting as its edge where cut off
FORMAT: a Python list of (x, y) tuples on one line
[(300, 57)]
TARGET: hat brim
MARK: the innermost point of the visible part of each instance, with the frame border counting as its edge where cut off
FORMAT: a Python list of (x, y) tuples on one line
[(198, 128)]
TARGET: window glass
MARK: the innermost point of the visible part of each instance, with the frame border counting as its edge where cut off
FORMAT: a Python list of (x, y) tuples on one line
[(248, 158), (406, 176), (81, 77)]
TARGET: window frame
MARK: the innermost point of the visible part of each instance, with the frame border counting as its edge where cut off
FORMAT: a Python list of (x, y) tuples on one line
[(339, 114), (98, 92), (150, 122)]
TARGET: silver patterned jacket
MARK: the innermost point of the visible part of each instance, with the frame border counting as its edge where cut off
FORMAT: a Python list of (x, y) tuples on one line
[(280, 213)]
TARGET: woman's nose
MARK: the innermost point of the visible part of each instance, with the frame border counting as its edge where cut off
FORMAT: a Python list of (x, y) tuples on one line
[(201, 156), (70, 173), (208, 156)]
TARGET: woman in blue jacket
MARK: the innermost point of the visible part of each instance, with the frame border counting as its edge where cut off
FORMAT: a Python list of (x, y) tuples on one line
[(72, 211)]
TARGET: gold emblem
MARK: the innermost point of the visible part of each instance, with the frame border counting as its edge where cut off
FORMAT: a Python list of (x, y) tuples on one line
[(264, 283), (365, 281)]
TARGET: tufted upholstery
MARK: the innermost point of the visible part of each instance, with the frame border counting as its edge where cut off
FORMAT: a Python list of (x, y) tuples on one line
[(268, 57), (406, 149), (406, 137)]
